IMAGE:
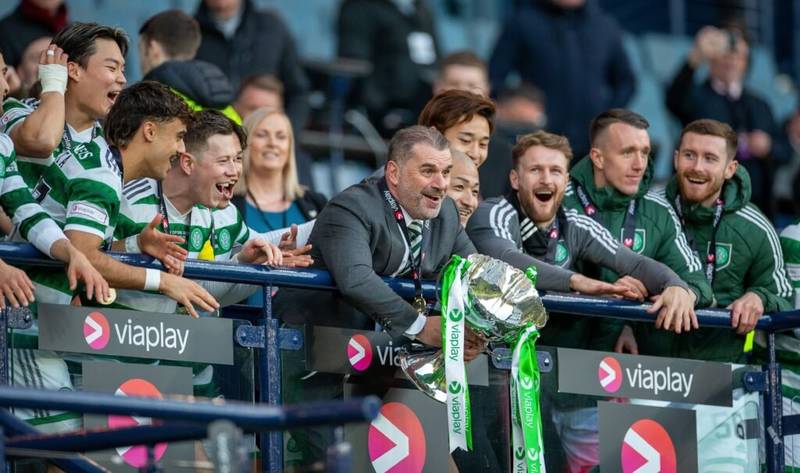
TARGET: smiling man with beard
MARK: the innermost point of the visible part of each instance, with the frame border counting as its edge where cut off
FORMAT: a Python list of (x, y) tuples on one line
[(740, 250)]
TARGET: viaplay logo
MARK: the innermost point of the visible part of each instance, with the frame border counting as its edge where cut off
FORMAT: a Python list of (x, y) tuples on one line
[(359, 352), (396, 441), (136, 456), (609, 373), (96, 330), (648, 447)]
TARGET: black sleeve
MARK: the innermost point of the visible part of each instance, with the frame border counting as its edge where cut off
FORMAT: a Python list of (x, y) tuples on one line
[(620, 75), (680, 99)]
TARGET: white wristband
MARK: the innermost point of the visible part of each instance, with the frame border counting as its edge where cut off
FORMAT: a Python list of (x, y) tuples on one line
[(53, 78), (152, 279), (132, 244)]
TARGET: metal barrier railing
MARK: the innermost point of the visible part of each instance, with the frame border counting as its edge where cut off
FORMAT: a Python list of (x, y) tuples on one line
[(269, 338)]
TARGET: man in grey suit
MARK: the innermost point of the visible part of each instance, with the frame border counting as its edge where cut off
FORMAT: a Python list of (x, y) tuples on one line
[(372, 230), (400, 225)]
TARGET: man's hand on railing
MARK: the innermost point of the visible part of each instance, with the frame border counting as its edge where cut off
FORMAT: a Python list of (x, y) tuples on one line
[(15, 286), (297, 258), (675, 309), (187, 293), (592, 287), (258, 251), (626, 342), (80, 269), (745, 312), (163, 246), (634, 286)]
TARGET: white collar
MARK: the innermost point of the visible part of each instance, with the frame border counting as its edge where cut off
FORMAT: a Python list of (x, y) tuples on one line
[(732, 90), (174, 211), (408, 218)]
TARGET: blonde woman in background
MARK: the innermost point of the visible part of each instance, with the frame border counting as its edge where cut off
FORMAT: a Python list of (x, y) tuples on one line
[(268, 195)]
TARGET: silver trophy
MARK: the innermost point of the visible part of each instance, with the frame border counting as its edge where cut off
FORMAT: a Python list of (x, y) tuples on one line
[(501, 302)]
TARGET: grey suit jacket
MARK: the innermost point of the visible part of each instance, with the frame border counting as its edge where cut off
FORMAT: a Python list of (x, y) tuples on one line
[(358, 240)]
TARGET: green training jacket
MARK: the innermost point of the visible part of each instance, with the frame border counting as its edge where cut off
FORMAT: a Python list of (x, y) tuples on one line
[(748, 259), (657, 234)]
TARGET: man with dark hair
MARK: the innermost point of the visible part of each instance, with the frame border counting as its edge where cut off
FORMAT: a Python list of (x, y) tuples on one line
[(190, 199), (612, 187), (244, 41), (168, 43), (724, 97), (263, 90), (82, 73), (463, 70), (82, 192), (529, 225), (465, 119), (171, 35), (738, 247)]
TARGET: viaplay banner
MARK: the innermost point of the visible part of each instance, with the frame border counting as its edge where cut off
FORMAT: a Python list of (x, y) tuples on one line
[(118, 332), (644, 377), (365, 353), (643, 439)]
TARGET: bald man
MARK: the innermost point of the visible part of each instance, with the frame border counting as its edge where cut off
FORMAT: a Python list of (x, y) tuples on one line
[(464, 185)]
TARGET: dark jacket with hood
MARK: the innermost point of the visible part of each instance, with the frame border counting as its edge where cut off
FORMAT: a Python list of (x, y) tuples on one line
[(575, 57), (202, 83), (748, 259), (657, 234), (261, 44)]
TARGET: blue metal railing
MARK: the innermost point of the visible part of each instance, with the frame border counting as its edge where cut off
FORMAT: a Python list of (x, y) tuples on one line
[(269, 357)]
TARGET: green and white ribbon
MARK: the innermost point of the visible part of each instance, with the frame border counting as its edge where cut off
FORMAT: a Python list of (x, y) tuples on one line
[(459, 431), (526, 425)]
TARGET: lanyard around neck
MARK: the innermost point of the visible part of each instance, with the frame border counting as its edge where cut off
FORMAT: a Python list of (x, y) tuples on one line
[(711, 253), (628, 226), (162, 204), (416, 263)]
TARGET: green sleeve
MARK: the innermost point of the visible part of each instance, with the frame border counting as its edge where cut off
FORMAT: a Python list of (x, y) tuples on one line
[(766, 276), (674, 251)]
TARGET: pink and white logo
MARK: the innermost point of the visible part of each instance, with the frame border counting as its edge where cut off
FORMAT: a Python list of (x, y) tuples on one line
[(96, 331), (647, 447), (609, 373), (359, 352), (136, 456), (396, 441)]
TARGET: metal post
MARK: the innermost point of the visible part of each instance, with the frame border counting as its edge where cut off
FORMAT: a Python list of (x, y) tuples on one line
[(4, 359), (270, 382), (773, 411)]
